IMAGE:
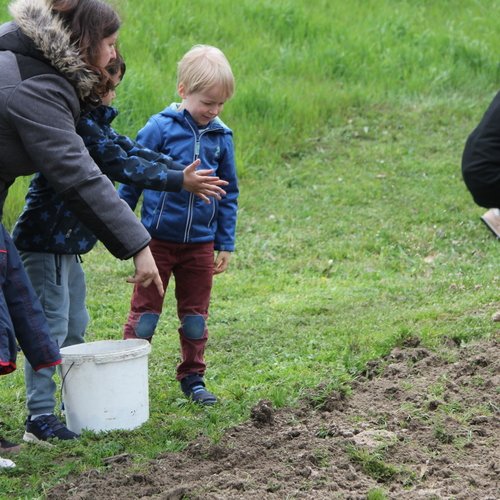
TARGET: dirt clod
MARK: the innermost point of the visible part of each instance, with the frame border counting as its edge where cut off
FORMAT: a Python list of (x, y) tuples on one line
[(262, 414)]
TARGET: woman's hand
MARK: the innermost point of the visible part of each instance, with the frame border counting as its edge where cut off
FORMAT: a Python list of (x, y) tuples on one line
[(202, 184), (146, 271)]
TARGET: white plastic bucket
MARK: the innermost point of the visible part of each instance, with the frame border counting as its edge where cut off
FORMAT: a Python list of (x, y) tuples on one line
[(105, 385)]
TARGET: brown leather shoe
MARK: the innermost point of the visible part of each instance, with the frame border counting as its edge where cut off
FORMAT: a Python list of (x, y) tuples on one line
[(492, 220), (8, 447)]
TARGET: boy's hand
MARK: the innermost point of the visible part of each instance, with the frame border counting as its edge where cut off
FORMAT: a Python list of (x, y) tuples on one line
[(201, 183), (222, 261)]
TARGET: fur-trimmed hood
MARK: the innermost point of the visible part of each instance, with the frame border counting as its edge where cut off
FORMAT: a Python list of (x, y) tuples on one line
[(51, 39)]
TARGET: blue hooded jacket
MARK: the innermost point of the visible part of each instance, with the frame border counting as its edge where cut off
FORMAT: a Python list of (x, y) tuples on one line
[(182, 217)]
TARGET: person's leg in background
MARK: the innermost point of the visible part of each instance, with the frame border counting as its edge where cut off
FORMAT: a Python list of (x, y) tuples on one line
[(22, 322), (6, 333)]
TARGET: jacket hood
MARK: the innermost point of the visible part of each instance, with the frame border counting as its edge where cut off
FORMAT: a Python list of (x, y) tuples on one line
[(173, 112), (52, 39)]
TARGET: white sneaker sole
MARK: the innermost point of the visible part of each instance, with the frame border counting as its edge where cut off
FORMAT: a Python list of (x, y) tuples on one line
[(5, 463), (31, 438)]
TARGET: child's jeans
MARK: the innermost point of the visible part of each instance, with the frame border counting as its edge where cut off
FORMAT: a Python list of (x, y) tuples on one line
[(192, 265), (59, 282)]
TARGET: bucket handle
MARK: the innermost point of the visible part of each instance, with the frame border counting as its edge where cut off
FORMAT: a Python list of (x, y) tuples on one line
[(64, 378)]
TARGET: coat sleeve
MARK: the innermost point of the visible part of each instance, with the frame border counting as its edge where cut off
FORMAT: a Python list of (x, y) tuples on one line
[(43, 110), (126, 161), (150, 136)]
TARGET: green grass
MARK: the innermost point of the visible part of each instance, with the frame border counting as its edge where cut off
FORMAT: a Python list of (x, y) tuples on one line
[(355, 230), (375, 466)]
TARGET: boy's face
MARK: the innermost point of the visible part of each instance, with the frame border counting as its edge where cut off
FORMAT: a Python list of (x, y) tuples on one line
[(108, 99), (203, 106)]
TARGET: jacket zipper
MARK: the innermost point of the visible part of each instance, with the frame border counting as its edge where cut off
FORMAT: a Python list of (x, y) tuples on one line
[(213, 214), (197, 147), (189, 221), (164, 199)]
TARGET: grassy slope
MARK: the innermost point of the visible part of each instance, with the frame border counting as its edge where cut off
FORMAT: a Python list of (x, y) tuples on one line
[(355, 229)]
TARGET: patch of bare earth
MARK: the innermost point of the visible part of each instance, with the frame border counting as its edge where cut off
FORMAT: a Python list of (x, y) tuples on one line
[(418, 424)]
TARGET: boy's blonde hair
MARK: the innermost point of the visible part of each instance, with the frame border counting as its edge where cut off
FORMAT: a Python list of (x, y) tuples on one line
[(204, 67)]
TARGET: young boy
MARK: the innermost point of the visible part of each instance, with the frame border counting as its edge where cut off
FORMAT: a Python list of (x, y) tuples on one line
[(185, 232), (51, 239)]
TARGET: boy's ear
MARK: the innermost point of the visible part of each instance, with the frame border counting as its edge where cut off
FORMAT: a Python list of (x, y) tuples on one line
[(181, 90)]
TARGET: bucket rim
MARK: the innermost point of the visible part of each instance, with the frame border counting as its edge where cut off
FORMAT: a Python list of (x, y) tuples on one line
[(125, 349)]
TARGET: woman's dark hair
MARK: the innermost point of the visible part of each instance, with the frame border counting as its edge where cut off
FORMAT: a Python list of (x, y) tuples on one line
[(89, 22)]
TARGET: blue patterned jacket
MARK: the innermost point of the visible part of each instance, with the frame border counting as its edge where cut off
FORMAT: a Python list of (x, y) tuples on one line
[(47, 225)]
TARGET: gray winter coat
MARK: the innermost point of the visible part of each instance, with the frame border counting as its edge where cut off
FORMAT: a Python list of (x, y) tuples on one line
[(42, 81)]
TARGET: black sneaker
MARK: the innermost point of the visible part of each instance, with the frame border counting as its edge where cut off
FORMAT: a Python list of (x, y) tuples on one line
[(8, 447), (46, 427), (194, 388)]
